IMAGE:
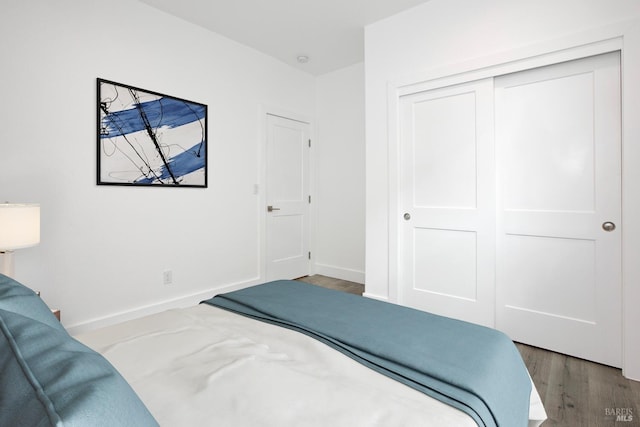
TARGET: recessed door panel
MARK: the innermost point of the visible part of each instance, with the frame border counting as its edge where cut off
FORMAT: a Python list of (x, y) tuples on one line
[(445, 151), (549, 160), (551, 276), (447, 264), (286, 172)]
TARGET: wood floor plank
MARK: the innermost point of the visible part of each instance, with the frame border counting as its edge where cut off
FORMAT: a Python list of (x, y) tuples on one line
[(578, 392), (332, 283)]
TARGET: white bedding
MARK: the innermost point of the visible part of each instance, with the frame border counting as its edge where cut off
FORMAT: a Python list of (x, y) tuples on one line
[(202, 366)]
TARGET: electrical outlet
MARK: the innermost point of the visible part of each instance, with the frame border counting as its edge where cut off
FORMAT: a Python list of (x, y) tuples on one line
[(167, 277)]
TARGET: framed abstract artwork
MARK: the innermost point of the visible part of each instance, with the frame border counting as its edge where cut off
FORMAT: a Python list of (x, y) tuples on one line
[(146, 138)]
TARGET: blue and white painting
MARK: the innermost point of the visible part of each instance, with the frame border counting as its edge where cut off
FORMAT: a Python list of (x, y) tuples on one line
[(146, 138)]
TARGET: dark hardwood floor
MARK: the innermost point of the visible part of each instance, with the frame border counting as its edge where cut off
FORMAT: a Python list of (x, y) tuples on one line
[(337, 284), (575, 392)]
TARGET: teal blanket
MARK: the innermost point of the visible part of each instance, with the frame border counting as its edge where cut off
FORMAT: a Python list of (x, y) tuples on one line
[(473, 368)]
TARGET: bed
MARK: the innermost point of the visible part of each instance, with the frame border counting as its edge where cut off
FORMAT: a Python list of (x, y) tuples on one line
[(280, 354)]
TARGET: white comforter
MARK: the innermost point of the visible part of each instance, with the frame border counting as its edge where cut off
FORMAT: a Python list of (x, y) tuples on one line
[(204, 366)]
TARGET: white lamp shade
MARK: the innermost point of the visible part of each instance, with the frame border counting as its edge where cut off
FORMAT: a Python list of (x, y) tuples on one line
[(19, 225)]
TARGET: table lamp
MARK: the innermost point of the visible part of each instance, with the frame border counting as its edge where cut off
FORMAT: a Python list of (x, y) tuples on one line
[(19, 228)]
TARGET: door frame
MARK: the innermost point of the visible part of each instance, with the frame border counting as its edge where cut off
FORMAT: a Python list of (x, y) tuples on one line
[(606, 39), (261, 186)]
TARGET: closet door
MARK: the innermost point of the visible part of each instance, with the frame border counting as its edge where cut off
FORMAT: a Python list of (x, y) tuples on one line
[(447, 203), (559, 207)]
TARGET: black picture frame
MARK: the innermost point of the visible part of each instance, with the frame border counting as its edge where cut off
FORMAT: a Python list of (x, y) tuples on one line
[(149, 139)]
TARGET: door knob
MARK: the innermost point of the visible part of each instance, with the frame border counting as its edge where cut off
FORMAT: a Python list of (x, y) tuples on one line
[(608, 226), (407, 216), (271, 209)]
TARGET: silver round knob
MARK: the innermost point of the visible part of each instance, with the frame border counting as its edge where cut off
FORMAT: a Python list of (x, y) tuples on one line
[(407, 217), (608, 226)]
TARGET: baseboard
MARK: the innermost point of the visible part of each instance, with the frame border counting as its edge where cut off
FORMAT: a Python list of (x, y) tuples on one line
[(340, 273), (180, 302), (376, 297)]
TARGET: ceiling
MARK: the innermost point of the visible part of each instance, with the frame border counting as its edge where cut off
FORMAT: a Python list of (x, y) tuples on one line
[(329, 32)]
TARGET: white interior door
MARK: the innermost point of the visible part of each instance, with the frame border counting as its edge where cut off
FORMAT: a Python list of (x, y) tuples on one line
[(447, 206), (287, 197), (559, 197)]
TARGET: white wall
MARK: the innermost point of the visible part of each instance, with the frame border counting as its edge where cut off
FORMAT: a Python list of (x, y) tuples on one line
[(443, 37), (103, 249), (339, 174)]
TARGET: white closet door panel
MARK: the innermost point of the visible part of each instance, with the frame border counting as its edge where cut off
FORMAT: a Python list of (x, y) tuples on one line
[(558, 155), (447, 207)]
